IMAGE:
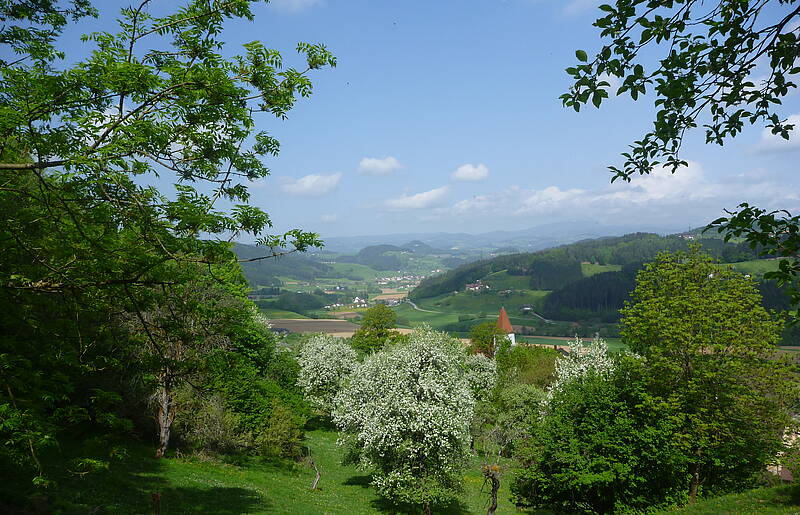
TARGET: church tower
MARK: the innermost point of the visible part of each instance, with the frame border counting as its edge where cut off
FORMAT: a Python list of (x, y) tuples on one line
[(504, 324)]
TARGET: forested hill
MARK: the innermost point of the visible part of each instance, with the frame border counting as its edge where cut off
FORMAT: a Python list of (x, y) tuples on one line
[(559, 267), (379, 257), (266, 271)]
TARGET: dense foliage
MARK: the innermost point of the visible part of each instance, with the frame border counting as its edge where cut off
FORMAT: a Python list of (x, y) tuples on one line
[(485, 337), (376, 330), (115, 312), (708, 345), (700, 409), (601, 448), (600, 297)]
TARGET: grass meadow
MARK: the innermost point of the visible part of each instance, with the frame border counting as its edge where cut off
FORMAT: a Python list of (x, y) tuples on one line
[(590, 269), (247, 485), (239, 485), (489, 303)]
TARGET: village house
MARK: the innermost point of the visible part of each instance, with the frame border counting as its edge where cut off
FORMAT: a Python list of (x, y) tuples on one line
[(476, 286)]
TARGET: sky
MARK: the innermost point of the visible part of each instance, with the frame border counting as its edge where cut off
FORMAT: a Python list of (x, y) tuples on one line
[(443, 116)]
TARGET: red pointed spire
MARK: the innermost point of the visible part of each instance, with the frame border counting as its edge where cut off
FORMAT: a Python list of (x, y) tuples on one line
[(503, 323)]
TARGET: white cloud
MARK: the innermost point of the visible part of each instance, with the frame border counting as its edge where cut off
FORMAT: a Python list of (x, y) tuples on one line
[(689, 196), (576, 7), (775, 143), (293, 6), (469, 172), (314, 185), (418, 201), (613, 81), (329, 217), (379, 165)]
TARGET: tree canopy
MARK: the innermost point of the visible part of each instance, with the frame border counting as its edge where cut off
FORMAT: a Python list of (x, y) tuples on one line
[(376, 329), (115, 292), (709, 349)]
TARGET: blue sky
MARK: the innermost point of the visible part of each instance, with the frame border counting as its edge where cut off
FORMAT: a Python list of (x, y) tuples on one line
[(444, 116)]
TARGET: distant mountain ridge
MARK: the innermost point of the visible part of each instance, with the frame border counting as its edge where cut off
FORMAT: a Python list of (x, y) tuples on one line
[(531, 239)]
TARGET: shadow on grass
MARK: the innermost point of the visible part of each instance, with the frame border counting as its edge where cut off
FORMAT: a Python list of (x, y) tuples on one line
[(383, 505), (362, 481), (316, 422), (126, 487)]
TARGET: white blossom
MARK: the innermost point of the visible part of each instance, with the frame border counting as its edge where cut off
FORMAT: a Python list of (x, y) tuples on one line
[(582, 358), (481, 375), (407, 411), (325, 364)]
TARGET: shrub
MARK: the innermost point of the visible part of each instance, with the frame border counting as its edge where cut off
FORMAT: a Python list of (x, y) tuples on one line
[(600, 448), (282, 435), (206, 424)]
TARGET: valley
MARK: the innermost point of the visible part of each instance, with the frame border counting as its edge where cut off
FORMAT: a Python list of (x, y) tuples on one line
[(571, 290)]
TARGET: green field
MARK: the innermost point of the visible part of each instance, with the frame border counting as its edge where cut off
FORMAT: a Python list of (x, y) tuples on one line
[(503, 281), (242, 485), (407, 316), (614, 344), (484, 302), (767, 501), (754, 267), (280, 313), (590, 269), (356, 272)]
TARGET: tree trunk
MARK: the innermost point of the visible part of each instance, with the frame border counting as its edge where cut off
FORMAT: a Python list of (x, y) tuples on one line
[(495, 487), (426, 509), (694, 485), (156, 496), (492, 473), (166, 414), (317, 477)]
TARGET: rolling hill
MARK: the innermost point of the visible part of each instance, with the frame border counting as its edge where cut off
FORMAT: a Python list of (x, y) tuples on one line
[(586, 282)]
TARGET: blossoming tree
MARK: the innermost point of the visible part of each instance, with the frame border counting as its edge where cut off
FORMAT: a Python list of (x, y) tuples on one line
[(406, 414), (325, 363)]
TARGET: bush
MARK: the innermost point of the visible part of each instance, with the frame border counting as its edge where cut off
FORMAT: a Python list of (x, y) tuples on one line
[(206, 424), (282, 435), (600, 448), (406, 413), (526, 364)]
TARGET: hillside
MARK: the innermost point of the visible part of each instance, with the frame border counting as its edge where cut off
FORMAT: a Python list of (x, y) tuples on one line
[(379, 257), (586, 282), (630, 250), (265, 272)]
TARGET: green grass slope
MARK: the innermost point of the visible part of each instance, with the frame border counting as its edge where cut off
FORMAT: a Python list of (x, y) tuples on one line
[(590, 269), (755, 267), (503, 281), (192, 486), (485, 302), (767, 501)]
